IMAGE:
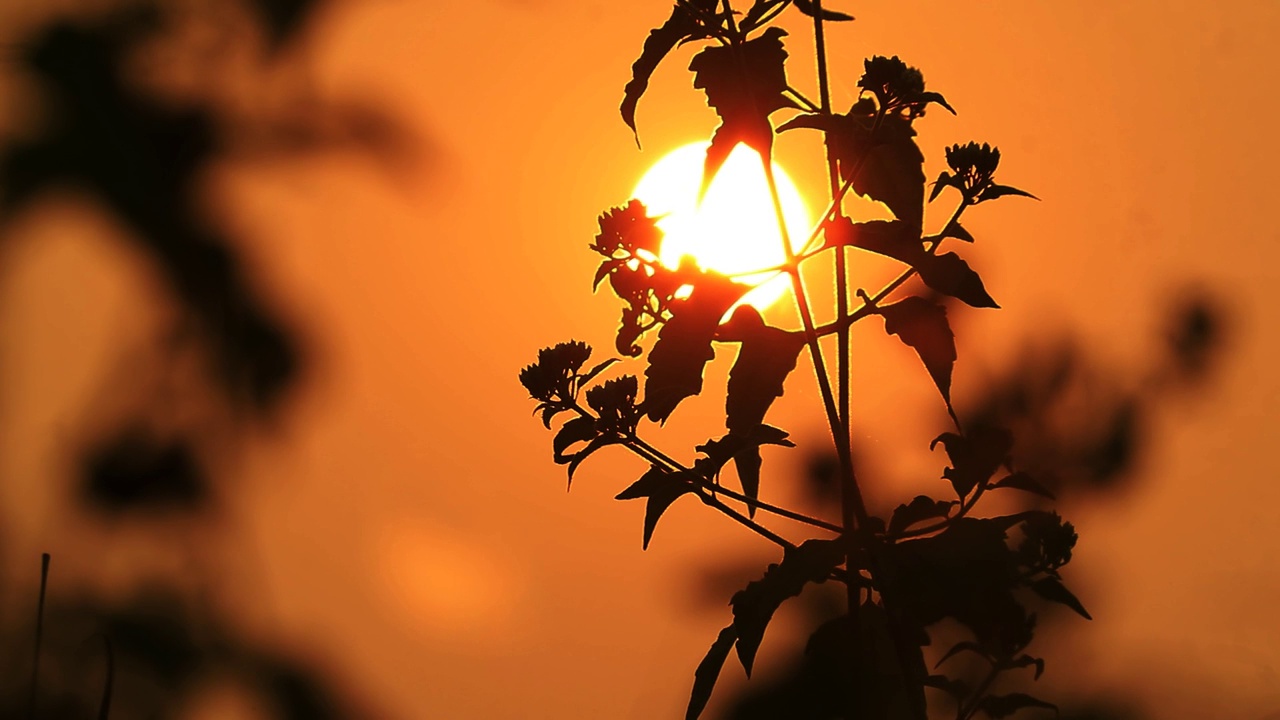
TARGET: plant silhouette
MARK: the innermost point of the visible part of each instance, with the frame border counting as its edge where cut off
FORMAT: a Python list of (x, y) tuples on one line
[(932, 561)]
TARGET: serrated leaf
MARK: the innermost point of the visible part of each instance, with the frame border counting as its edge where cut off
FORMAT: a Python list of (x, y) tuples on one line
[(1000, 706), (753, 606), (744, 450), (680, 26), (922, 325), (767, 356), (808, 8), (919, 509), (1025, 482), (891, 238), (660, 488), (683, 347), (744, 83), (1053, 590), (704, 678), (950, 275)]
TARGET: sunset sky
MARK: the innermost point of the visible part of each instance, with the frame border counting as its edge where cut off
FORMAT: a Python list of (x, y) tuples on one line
[(402, 521)]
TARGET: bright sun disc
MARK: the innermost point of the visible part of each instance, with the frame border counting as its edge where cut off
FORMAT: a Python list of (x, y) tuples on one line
[(735, 230)]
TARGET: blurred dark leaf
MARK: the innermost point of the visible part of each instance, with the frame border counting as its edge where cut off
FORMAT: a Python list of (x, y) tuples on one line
[(975, 457), (753, 606), (704, 678), (744, 83), (1053, 590), (660, 488), (918, 510), (999, 706), (138, 471), (284, 18), (1023, 481)]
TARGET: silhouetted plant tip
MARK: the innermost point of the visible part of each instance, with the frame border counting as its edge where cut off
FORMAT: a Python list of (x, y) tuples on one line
[(934, 559)]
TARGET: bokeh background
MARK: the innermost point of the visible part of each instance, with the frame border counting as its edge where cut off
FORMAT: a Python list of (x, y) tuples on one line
[(270, 267)]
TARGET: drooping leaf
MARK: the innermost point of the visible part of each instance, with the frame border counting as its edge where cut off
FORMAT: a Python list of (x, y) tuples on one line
[(1052, 589), (1028, 661), (704, 678), (680, 26), (955, 687), (767, 356), (684, 344), (808, 7), (744, 83), (576, 459), (919, 509), (950, 275), (975, 457), (744, 450), (963, 646), (1023, 481), (885, 165), (660, 488), (922, 325), (997, 191), (753, 606), (1001, 706), (579, 429)]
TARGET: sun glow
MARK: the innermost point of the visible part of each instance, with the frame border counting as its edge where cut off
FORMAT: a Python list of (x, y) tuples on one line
[(735, 230)]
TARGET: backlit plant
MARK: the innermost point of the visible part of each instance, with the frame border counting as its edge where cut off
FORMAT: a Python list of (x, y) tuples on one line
[(932, 562)]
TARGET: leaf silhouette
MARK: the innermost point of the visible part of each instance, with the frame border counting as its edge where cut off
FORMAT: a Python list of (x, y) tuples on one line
[(684, 344), (1023, 481), (885, 165), (922, 325), (704, 678), (744, 449), (950, 275), (920, 509), (681, 26), (807, 7), (956, 688), (1000, 706), (660, 488), (744, 82), (1053, 590), (579, 429), (754, 605), (767, 356), (975, 457)]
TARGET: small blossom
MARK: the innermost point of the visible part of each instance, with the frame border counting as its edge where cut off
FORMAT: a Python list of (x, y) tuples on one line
[(1047, 542), (615, 403), (552, 376), (627, 231)]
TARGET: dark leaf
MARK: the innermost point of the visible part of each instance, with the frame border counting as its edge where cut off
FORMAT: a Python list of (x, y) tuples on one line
[(975, 457), (950, 275), (933, 97), (754, 605), (680, 26), (579, 429), (591, 447), (999, 706), (963, 646), (767, 356), (684, 344), (1023, 481), (704, 678), (1028, 661), (1053, 590), (956, 688), (891, 238), (996, 191), (808, 7), (661, 488), (923, 326), (593, 372), (945, 179), (957, 231), (886, 165), (884, 679), (918, 510), (744, 82), (759, 11), (744, 450)]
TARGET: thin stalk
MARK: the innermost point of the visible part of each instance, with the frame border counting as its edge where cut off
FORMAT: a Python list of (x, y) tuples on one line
[(35, 661)]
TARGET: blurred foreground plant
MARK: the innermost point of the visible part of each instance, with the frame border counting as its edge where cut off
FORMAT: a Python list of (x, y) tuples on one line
[(933, 560)]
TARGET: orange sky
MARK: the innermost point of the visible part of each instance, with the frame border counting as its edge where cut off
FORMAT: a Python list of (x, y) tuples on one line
[(406, 524)]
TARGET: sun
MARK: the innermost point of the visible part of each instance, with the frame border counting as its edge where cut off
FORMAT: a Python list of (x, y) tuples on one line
[(734, 231)]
